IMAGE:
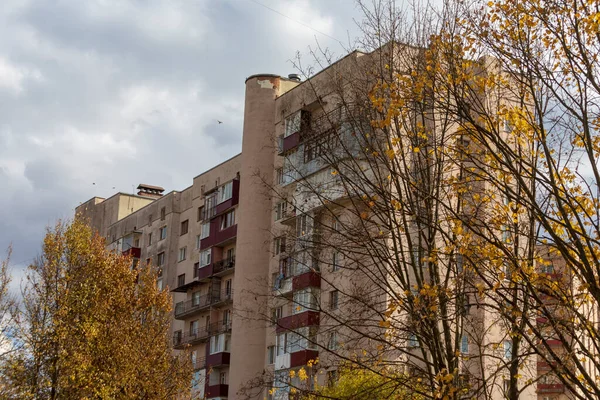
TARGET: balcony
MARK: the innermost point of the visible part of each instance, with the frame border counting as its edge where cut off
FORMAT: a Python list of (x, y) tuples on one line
[(134, 252), (282, 286), (218, 237), (282, 361), (306, 318), (300, 358), (217, 391), (306, 280), (232, 201), (553, 342), (218, 268), (186, 308), (181, 340), (218, 359), (550, 388), (225, 297), (219, 327), (290, 142), (545, 366)]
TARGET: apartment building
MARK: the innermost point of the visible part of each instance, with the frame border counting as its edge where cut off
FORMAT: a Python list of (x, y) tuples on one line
[(237, 248)]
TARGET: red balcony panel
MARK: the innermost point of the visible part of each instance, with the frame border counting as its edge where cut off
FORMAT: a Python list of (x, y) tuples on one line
[(217, 391), (217, 359), (554, 342), (217, 236), (306, 280), (546, 366), (541, 320), (234, 200), (290, 142), (134, 252), (550, 388), (205, 271), (300, 358), (306, 318)]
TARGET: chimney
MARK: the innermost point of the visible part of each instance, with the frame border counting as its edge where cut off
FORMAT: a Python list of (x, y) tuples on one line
[(154, 192), (294, 77)]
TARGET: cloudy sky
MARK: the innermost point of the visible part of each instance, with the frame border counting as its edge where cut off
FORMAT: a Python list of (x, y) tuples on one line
[(118, 92)]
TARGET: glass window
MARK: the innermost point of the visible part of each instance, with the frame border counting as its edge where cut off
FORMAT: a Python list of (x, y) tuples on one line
[(198, 240), (464, 344), (271, 355), (204, 257), (292, 124), (163, 233), (280, 210), (182, 253), (226, 191), (160, 258), (304, 300), (302, 227), (205, 230), (228, 220), (507, 349), (332, 343), (184, 227), (149, 238), (333, 299)]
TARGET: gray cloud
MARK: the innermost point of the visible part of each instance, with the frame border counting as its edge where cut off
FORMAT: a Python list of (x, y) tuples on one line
[(121, 92)]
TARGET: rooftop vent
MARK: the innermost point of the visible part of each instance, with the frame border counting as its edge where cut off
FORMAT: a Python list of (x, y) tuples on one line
[(153, 192), (294, 77)]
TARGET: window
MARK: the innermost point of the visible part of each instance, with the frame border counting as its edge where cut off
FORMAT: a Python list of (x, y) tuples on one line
[(292, 124), (205, 230), (412, 341), (271, 355), (220, 343), (464, 344), (281, 344), (196, 267), (226, 191), (163, 233), (209, 206), (226, 317), (332, 342), (459, 263), (184, 227), (280, 210), (279, 176), (200, 214), (223, 378), (162, 213), (547, 267), (228, 220), (332, 377), (279, 245), (335, 261), (276, 314), (507, 349), (148, 261), (230, 254), (150, 220), (149, 238), (194, 326), (159, 284), (181, 280), (204, 257), (304, 300), (334, 299), (136, 242), (182, 254), (160, 258), (228, 287), (302, 227), (198, 241), (195, 298)]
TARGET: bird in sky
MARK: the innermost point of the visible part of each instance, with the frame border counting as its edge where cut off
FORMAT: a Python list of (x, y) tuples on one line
[(220, 122)]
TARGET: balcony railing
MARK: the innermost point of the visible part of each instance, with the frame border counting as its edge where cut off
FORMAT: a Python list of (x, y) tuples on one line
[(550, 388), (186, 308), (305, 318), (190, 306), (181, 339), (220, 327), (217, 391), (134, 252), (215, 268), (218, 359)]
